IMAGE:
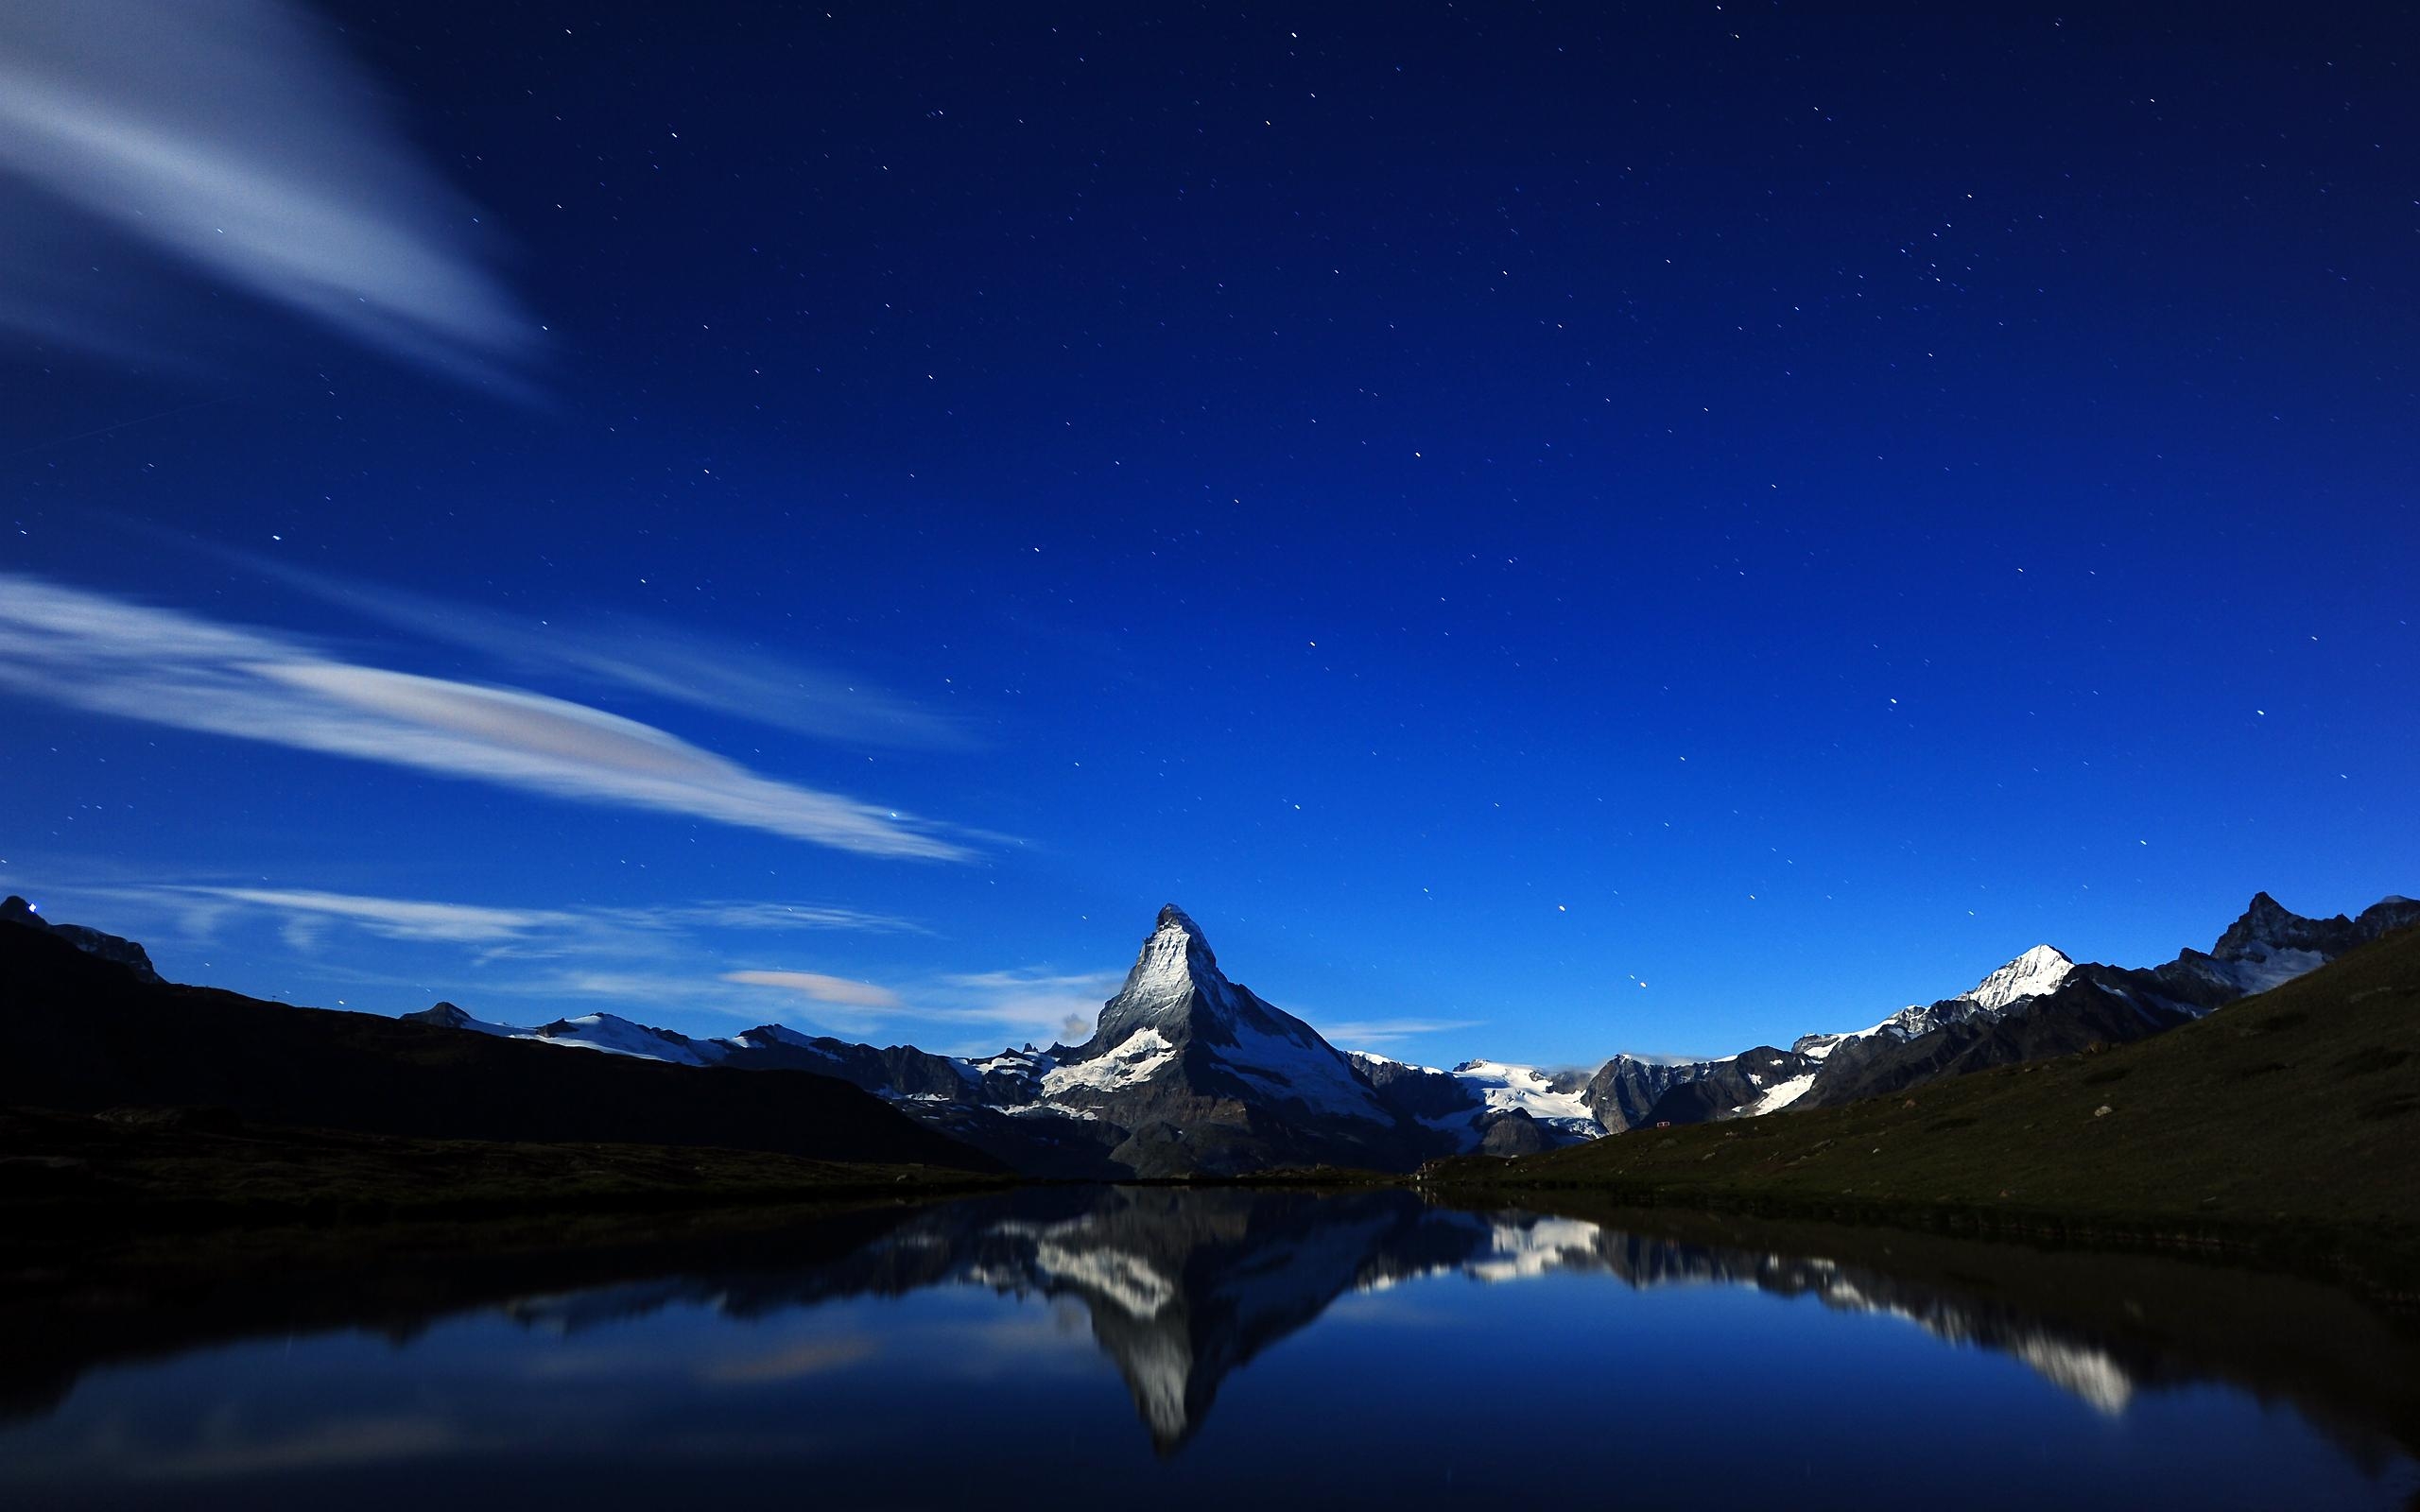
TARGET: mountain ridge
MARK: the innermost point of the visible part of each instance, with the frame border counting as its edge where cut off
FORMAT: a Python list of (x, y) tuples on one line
[(1181, 1047), (1185, 1072)]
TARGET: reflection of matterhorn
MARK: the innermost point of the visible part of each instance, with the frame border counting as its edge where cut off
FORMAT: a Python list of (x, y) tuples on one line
[(1186, 1286)]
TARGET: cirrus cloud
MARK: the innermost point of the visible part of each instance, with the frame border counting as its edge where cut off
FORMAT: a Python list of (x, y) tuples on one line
[(821, 988), (235, 143), (110, 656)]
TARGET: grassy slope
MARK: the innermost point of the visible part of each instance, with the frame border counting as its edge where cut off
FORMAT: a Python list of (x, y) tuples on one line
[(68, 1175), (2300, 1107)]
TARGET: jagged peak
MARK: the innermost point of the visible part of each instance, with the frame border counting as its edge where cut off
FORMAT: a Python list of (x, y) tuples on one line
[(2037, 971), (1175, 962), (1173, 917), (2268, 925)]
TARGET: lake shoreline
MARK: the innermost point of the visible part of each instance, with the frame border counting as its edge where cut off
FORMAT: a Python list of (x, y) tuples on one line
[(152, 1296), (133, 1182), (2381, 1266)]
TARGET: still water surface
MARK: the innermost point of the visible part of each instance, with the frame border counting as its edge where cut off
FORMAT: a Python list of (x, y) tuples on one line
[(1161, 1348)]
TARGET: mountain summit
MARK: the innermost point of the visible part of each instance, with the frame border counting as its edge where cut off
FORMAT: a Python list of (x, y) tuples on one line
[(1206, 1074), (2038, 971), (1174, 979)]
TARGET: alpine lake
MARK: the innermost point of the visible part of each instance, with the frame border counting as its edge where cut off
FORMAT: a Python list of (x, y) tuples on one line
[(1166, 1347)]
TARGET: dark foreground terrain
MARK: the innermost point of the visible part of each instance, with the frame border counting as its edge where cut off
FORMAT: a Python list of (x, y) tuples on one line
[(90, 1035)]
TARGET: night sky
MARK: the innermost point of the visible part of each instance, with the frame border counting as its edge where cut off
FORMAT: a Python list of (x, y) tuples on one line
[(1549, 530)]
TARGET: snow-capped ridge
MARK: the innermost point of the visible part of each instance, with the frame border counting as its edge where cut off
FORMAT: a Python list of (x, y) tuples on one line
[(2038, 972), (1558, 1100)]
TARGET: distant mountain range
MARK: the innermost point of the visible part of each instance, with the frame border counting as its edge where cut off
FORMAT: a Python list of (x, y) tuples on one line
[(1185, 1072)]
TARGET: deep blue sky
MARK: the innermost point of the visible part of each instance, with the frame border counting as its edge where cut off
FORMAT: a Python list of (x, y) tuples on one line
[(1487, 508)]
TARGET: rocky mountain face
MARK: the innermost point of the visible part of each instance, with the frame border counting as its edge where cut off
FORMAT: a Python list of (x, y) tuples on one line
[(2075, 1007), (1200, 1075), (1185, 1072), (15, 910)]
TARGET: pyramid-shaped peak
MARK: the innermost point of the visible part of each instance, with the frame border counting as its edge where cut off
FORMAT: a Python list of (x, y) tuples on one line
[(1173, 977), (1174, 921), (1171, 917), (2038, 971), (2268, 925)]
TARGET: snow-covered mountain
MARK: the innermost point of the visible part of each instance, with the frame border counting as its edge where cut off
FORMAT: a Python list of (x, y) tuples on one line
[(2038, 971), (2064, 1006), (605, 1032), (1178, 1039), (1187, 1071)]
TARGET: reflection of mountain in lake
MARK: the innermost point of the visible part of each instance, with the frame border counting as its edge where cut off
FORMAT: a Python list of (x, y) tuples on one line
[(1184, 1287)]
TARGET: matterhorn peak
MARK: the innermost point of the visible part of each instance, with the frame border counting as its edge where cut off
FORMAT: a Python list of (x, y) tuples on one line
[(1174, 976), (1174, 961), (1173, 917)]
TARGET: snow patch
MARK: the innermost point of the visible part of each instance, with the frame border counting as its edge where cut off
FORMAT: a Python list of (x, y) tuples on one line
[(1135, 1060), (1503, 1087), (2038, 972), (1781, 1094)]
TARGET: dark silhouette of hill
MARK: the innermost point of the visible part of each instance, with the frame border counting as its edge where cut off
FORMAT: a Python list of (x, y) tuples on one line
[(87, 1034), (2295, 1108)]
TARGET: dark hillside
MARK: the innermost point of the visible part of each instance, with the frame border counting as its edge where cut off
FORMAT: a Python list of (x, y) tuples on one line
[(2300, 1106), (86, 1034)]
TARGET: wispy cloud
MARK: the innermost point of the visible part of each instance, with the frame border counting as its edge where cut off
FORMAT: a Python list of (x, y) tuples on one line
[(201, 908), (1059, 1004), (817, 988), (984, 1006), (1358, 1033), (235, 142), (770, 915), (400, 919), (108, 655), (705, 672)]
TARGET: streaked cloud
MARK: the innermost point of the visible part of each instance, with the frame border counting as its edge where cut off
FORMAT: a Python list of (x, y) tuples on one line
[(200, 910), (819, 988), (985, 1008), (400, 919), (663, 661), (236, 142), (1363, 1033), (769, 916), (110, 656)]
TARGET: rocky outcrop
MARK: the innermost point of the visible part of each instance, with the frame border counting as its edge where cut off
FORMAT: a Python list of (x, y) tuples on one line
[(125, 952)]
